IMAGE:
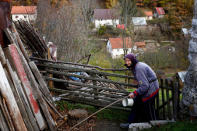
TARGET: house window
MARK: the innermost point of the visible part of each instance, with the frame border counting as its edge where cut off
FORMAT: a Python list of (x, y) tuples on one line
[(25, 17), (16, 16), (117, 50)]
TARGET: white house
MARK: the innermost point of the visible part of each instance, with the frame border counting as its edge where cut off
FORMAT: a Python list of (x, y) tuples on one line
[(26, 13), (105, 17), (116, 47), (148, 15), (139, 23), (159, 12)]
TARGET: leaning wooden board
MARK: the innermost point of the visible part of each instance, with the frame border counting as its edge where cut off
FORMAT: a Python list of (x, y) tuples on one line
[(26, 84), (11, 103)]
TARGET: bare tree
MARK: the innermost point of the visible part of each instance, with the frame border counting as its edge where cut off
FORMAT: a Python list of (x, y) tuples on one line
[(67, 28)]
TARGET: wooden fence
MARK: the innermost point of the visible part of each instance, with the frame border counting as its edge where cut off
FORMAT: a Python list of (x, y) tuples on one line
[(168, 100), (102, 91)]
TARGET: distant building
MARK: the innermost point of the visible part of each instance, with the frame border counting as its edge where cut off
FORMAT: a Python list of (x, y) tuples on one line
[(159, 12), (149, 15), (115, 46), (139, 3), (139, 23), (105, 17), (120, 26), (26, 13)]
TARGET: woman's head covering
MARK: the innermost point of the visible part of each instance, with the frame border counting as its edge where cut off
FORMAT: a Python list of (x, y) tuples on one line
[(133, 59)]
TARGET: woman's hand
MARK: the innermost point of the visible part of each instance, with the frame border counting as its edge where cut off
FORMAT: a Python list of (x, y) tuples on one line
[(132, 95)]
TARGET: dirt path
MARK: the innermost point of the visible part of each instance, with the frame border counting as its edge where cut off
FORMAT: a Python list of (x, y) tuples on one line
[(104, 125)]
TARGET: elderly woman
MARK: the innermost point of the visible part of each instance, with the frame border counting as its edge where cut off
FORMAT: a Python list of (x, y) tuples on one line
[(143, 109)]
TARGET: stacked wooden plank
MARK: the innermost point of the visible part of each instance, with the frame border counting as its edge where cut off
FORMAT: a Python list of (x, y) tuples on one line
[(31, 39), (25, 101), (91, 86)]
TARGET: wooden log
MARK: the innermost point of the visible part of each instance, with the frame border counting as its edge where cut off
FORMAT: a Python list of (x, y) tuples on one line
[(90, 78), (87, 94), (26, 112), (86, 91), (70, 63), (86, 85), (168, 101), (12, 105), (19, 103), (15, 59), (77, 69), (3, 124), (41, 81), (93, 102)]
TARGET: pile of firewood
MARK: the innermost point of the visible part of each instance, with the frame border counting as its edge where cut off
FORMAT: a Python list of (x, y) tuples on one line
[(25, 101)]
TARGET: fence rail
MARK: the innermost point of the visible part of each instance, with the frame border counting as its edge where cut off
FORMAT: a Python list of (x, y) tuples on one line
[(102, 91)]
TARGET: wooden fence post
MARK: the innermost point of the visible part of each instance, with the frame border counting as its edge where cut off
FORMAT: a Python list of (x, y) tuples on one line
[(163, 98), (175, 99), (167, 98)]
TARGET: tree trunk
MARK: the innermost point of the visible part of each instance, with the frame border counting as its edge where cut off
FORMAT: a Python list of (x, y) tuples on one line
[(189, 101)]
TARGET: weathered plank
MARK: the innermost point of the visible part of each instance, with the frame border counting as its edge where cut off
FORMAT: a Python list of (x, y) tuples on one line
[(24, 108), (41, 81), (20, 43), (3, 124), (19, 103), (12, 105), (38, 93), (6, 114), (16, 61), (2, 56)]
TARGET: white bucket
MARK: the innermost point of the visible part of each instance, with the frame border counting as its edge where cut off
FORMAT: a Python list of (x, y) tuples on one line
[(127, 102)]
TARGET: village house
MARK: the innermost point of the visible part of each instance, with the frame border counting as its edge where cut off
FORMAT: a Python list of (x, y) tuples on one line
[(159, 12), (105, 17), (139, 23), (26, 13), (116, 46), (148, 15)]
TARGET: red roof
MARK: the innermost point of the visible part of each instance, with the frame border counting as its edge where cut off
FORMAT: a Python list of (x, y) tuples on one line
[(148, 13), (105, 14), (23, 9), (140, 44), (117, 43), (120, 26), (160, 10)]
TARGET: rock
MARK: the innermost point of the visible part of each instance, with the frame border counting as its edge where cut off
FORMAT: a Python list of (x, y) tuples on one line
[(78, 113), (139, 126)]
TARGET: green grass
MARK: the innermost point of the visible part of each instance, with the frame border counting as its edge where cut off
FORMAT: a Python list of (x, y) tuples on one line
[(178, 126), (108, 114)]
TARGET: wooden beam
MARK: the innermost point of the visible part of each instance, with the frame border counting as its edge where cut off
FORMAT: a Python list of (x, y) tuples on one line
[(77, 69), (77, 64), (12, 105), (90, 78), (26, 112), (16, 61), (41, 81)]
